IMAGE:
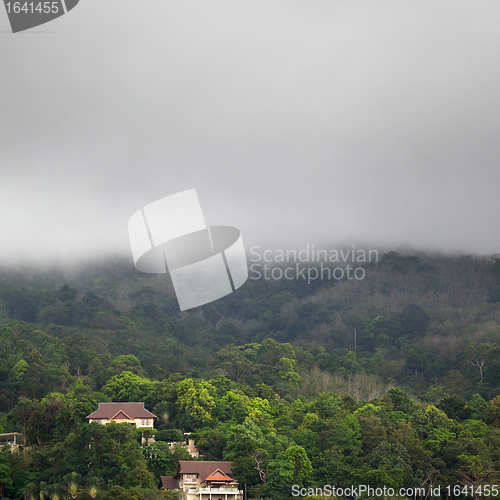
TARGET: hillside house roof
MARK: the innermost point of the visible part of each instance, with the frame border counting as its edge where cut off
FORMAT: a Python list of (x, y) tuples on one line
[(219, 477), (168, 483), (121, 411), (206, 469), (13, 438), (121, 415)]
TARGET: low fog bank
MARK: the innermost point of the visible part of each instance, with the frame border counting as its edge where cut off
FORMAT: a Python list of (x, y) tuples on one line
[(73, 267)]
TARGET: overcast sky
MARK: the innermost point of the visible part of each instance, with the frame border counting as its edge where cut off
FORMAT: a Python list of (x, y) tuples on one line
[(298, 122)]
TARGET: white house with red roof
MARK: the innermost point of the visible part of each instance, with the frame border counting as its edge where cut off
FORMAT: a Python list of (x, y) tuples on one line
[(200, 480), (128, 413)]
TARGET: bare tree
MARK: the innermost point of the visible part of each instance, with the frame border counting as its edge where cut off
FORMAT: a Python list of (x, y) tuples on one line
[(259, 460), (480, 354)]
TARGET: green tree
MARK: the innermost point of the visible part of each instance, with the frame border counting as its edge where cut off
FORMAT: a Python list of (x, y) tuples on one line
[(330, 467), (160, 460), (404, 434), (297, 456), (170, 436), (113, 453), (196, 400), (5, 478), (491, 412), (244, 442), (372, 432), (128, 386), (454, 407), (20, 368), (30, 491), (280, 476), (345, 435), (395, 462), (285, 370), (476, 471), (22, 414)]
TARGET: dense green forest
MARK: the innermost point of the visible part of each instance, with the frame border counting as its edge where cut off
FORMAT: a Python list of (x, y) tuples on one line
[(391, 380)]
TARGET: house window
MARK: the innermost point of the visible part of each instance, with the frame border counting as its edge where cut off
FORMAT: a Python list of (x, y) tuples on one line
[(145, 422)]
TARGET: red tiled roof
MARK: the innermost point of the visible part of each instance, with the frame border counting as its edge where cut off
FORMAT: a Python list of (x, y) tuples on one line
[(168, 483), (110, 410), (204, 469), (219, 476)]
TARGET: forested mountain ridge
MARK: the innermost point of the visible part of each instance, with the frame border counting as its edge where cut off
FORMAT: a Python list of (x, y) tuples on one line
[(412, 320), (309, 373)]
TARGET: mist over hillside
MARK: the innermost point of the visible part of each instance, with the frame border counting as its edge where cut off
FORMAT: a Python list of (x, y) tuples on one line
[(355, 147)]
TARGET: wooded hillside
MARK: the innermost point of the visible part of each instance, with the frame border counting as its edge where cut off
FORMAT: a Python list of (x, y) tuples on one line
[(390, 380)]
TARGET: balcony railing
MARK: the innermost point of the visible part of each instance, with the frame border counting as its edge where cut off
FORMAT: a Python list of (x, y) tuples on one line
[(235, 491)]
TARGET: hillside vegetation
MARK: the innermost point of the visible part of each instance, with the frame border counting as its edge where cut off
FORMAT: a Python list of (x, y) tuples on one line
[(391, 380)]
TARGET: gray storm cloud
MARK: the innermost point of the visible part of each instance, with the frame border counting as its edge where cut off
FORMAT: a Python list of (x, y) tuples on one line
[(297, 122)]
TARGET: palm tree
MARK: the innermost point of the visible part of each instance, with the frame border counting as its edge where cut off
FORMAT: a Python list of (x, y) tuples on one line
[(30, 492), (43, 491), (93, 486), (71, 483), (54, 491), (163, 411)]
